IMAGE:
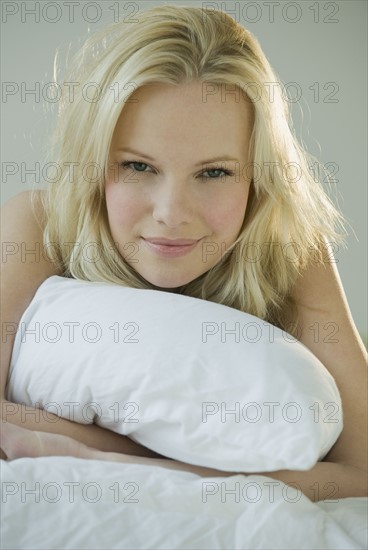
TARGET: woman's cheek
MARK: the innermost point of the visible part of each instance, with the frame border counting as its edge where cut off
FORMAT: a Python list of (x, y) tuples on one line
[(226, 218), (123, 208)]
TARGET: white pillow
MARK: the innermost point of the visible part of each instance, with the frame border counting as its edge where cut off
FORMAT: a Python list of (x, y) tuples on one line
[(193, 380)]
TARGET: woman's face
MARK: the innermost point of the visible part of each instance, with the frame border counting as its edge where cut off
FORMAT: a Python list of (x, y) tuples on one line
[(172, 207)]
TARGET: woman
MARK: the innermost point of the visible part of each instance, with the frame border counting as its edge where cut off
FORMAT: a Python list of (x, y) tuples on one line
[(187, 176)]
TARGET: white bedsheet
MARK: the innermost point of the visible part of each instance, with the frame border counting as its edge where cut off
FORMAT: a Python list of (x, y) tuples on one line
[(69, 503)]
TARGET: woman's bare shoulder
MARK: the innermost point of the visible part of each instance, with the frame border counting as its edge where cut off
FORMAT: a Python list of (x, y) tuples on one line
[(24, 265), (24, 209), (327, 328), (23, 221)]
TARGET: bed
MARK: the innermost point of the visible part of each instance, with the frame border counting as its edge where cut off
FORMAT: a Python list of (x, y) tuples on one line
[(70, 503), (195, 381)]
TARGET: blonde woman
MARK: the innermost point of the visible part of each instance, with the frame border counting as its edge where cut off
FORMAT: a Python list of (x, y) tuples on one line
[(187, 178)]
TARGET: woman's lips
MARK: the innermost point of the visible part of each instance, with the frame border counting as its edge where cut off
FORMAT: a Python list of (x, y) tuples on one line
[(170, 248)]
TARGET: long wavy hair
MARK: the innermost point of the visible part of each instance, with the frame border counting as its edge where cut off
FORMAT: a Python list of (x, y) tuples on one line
[(289, 217)]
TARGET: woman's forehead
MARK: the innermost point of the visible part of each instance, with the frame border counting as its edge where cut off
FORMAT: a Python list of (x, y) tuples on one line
[(183, 110)]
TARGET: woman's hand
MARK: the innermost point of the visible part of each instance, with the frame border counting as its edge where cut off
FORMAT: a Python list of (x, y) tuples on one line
[(90, 435), (18, 442)]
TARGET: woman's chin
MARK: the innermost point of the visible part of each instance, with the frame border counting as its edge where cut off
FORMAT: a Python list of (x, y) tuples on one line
[(169, 284)]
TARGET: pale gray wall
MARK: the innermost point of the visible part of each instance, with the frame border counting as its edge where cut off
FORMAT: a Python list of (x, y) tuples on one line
[(304, 46)]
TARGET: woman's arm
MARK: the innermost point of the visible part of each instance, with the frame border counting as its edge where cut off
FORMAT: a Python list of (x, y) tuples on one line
[(325, 481), (322, 309), (328, 330), (88, 434), (23, 268)]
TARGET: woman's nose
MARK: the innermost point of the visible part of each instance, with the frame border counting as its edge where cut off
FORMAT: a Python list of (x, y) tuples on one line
[(173, 204)]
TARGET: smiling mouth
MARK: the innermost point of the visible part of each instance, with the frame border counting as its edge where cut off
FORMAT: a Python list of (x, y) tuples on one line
[(170, 248)]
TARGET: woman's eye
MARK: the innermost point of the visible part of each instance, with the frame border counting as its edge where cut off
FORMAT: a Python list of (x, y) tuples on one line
[(216, 173), (135, 166), (213, 173)]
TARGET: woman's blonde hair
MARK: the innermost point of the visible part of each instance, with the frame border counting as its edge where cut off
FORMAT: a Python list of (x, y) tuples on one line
[(289, 217)]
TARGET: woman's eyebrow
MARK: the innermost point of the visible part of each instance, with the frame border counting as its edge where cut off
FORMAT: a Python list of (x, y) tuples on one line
[(128, 150), (201, 163), (216, 159)]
